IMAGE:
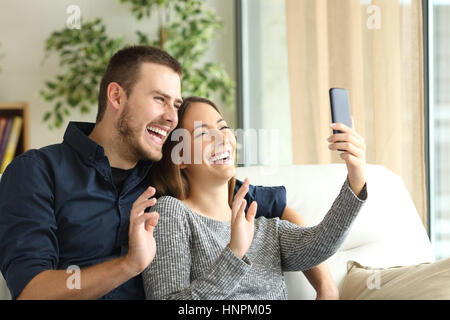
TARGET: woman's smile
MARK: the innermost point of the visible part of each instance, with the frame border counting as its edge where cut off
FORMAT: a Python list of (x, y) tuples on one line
[(224, 157)]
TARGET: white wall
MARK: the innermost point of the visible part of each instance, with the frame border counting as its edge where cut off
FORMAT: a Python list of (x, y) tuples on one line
[(25, 25)]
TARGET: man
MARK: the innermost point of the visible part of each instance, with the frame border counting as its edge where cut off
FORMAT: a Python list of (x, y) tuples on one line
[(79, 205)]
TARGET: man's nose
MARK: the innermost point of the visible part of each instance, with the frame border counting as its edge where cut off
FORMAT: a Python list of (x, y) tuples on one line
[(171, 115)]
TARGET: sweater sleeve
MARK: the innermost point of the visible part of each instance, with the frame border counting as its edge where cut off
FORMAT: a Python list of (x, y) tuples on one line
[(303, 248), (168, 275)]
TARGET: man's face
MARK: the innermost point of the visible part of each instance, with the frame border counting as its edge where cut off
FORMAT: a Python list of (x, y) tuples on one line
[(150, 111)]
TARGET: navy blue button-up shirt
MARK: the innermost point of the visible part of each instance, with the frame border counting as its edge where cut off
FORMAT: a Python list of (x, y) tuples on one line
[(59, 207)]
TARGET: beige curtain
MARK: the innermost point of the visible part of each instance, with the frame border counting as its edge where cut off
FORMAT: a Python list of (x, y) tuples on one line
[(374, 49)]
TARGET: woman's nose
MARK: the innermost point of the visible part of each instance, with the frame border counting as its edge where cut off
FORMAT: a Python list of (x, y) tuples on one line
[(223, 138)]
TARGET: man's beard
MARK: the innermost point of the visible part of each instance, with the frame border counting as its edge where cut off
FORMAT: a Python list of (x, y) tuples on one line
[(130, 137)]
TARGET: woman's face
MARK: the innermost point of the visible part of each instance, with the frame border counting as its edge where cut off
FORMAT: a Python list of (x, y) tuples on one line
[(212, 146)]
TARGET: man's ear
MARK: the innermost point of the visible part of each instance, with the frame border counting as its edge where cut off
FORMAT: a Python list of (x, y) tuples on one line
[(115, 95)]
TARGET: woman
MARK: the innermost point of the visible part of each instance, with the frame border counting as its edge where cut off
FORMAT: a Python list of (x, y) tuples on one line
[(209, 249)]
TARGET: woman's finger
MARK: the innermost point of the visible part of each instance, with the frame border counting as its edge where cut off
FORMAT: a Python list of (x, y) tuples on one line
[(346, 137), (239, 196), (251, 212), (347, 147), (236, 204), (241, 213), (345, 129), (242, 190)]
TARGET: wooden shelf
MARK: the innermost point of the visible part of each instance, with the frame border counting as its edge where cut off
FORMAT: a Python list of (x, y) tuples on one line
[(18, 109)]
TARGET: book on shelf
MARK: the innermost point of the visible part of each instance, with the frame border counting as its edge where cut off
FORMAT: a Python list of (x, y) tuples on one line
[(10, 141), (5, 138), (2, 127)]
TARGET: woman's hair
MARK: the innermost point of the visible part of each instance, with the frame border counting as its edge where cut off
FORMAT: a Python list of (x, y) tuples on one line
[(166, 176)]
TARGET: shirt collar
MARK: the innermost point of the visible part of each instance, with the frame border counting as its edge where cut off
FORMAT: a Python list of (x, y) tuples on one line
[(76, 136)]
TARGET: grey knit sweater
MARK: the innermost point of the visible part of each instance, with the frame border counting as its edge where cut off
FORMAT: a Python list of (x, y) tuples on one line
[(193, 261)]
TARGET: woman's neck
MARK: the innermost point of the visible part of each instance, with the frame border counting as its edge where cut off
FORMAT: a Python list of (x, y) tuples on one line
[(210, 200)]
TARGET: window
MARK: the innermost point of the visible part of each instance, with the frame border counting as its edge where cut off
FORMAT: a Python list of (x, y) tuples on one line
[(439, 124), (264, 93)]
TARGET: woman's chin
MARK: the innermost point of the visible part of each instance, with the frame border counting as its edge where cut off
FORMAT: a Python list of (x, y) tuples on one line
[(224, 171), (232, 172)]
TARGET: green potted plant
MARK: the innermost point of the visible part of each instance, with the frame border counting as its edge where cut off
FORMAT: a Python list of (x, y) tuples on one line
[(185, 30)]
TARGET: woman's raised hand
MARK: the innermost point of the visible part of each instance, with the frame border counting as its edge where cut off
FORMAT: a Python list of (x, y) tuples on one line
[(354, 154), (242, 225)]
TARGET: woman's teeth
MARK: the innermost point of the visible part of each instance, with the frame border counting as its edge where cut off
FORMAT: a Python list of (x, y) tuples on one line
[(222, 157)]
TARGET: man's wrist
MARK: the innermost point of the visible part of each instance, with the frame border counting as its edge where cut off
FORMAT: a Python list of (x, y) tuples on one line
[(128, 267)]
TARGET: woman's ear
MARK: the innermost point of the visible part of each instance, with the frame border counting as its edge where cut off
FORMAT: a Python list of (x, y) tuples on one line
[(182, 165)]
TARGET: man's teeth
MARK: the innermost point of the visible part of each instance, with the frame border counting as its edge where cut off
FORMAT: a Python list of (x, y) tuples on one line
[(219, 156), (157, 130)]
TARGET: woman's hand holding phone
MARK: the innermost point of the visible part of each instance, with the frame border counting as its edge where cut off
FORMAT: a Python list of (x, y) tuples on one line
[(354, 153), (242, 225)]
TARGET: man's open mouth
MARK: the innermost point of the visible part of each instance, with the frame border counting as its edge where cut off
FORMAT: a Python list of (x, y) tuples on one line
[(157, 134)]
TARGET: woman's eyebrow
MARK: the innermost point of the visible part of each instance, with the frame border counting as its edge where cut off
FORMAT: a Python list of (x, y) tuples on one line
[(204, 125)]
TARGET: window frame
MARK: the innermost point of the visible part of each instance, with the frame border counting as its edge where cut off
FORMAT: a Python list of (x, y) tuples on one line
[(428, 135)]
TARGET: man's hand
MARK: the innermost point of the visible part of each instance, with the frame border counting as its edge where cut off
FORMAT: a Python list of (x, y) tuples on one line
[(354, 154), (242, 225), (142, 246)]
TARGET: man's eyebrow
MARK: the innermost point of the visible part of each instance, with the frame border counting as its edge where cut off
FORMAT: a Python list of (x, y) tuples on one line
[(165, 95)]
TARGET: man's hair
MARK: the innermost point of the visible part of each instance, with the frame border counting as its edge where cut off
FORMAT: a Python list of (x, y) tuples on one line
[(124, 68)]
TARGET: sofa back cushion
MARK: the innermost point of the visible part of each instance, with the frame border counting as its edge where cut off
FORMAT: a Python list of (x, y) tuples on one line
[(424, 281)]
